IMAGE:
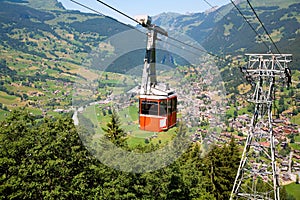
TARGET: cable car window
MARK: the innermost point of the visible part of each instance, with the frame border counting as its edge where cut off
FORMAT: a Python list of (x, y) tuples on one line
[(174, 104), (163, 108), (149, 108), (169, 107)]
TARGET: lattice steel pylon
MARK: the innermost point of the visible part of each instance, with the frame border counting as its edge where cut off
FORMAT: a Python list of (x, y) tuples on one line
[(257, 175)]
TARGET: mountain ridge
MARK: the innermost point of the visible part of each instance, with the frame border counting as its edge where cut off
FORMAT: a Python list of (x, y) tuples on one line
[(224, 31)]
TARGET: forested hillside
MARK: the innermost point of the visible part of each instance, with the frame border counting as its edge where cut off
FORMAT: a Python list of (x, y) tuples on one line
[(46, 159)]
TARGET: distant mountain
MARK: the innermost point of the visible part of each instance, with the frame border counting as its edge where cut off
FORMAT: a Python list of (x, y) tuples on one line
[(196, 25), (224, 31)]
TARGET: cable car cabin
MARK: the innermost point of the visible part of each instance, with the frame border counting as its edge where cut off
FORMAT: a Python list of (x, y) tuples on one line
[(157, 113), (158, 103)]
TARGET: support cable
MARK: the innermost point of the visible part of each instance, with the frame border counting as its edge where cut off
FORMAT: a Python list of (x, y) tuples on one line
[(217, 10), (263, 26), (91, 9), (82, 5), (221, 14), (171, 44), (208, 3), (118, 11), (259, 36), (172, 38)]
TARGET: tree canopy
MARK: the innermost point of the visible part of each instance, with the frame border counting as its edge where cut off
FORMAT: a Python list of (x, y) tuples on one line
[(45, 159)]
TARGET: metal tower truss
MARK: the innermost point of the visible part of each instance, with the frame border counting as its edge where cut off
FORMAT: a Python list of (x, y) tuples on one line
[(257, 176)]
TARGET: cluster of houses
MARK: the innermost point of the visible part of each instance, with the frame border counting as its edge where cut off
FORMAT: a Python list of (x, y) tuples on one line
[(207, 107), (200, 107)]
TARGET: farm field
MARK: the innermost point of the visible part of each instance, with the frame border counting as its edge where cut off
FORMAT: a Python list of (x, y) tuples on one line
[(293, 189)]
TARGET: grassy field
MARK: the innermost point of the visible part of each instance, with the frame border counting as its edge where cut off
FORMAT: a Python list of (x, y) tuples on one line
[(296, 119), (293, 189), (90, 113), (297, 138), (8, 99), (280, 3), (295, 146), (129, 123), (3, 114), (139, 137)]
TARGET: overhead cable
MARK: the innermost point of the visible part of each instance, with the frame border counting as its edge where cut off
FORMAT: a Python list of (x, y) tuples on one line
[(217, 10), (172, 38), (263, 26), (118, 11), (86, 7), (259, 36), (91, 9), (171, 44)]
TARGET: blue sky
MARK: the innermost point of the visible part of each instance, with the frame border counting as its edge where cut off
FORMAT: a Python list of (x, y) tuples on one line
[(141, 7)]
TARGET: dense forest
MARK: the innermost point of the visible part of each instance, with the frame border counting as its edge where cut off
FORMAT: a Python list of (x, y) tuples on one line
[(45, 159)]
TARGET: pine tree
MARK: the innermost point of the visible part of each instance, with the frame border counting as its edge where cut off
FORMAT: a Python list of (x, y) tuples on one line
[(222, 164), (114, 132)]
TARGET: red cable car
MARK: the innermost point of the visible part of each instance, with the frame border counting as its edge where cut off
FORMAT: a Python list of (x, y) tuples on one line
[(157, 102), (157, 113)]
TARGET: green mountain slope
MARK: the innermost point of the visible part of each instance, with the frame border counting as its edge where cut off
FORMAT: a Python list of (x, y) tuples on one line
[(224, 31), (282, 23), (43, 48)]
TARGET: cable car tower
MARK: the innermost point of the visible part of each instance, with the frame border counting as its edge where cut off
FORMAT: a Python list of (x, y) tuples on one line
[(157, 102), (257, 176)]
